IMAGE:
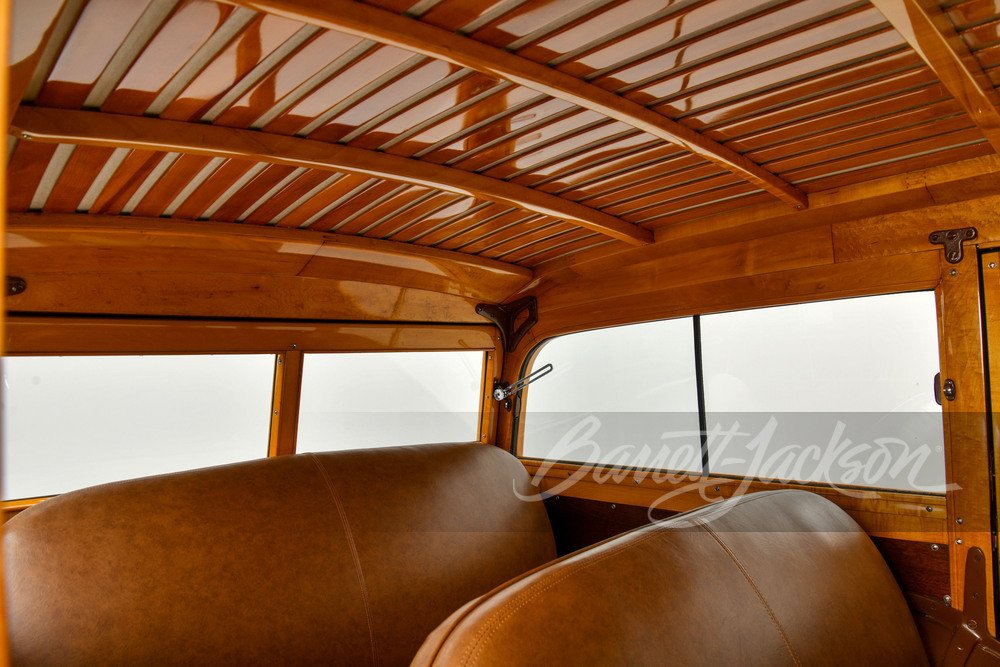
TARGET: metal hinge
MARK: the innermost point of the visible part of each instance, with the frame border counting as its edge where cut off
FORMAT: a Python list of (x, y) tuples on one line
[(952, 240)]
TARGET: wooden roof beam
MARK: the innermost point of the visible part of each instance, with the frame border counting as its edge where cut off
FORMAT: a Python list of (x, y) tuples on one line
[(388, 28), (89, 128), (930, 33)]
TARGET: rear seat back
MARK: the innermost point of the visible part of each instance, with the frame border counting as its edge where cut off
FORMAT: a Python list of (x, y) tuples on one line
[(775, 578), (337, 558)]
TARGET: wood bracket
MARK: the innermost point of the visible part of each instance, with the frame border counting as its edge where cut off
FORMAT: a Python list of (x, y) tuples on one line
[(506, 315), (16, 285), (952, 240)]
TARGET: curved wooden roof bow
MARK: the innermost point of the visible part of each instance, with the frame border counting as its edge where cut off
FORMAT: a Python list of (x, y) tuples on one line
[(523, 131)]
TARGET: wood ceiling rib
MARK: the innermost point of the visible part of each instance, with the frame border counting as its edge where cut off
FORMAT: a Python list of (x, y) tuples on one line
[(133, 132), (932, 35), (423, 38), (817, 94)]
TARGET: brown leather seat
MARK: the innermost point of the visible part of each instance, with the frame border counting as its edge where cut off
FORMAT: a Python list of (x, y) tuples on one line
[(776, 578), (345, 558)]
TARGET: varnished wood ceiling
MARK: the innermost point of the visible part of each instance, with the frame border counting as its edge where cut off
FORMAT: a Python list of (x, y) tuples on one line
[(517, 130)]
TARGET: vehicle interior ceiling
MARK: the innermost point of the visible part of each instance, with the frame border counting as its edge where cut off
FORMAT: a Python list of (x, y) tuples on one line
[(296, 178)]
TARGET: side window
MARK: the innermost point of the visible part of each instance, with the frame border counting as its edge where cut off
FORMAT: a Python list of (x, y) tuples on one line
[(72, 422), (837, 392), (381, 399), (624, 396)]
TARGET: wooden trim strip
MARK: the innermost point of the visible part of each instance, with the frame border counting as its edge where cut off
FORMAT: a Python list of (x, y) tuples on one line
[(99, 129), (285, 403), (930, 33), (386, 27)]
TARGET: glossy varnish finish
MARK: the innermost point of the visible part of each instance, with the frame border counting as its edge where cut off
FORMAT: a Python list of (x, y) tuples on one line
[(628, 115)]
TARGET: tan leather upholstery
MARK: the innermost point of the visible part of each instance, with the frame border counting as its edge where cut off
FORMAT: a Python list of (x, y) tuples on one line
[(777, 578), (345, 558)]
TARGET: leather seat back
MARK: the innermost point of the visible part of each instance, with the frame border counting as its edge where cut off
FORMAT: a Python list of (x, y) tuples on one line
[(775, 578), (338, 558)]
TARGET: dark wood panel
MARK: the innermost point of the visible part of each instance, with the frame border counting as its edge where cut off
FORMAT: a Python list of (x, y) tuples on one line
[(579, 523), (917, 566)]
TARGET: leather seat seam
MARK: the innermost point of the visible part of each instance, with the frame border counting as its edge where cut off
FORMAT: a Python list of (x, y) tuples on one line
[(516, 603), (757, 591), (349, 534)]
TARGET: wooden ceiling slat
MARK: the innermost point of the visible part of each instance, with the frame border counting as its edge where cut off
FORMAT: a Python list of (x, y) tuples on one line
[(99, 182), (311, 207), (199, 205), (776, 44), (438, 208), (468, 237), (193, 184), (261, 40), (127, 178), (877, 125), (131, 53), (558, 149), (389, 206), (290, 78), (870, 74), (395, 136), (119, 131), (513, 237), (24, 172), (562, 243), (364, 201), (35, 50), (227, 91), (707, 210), (587, 155), (447, 219), (841, 120), (736, 88), (250, 192), (930, 34), (694, 200), (423, 38), (638, 207), (917, 163), (847, 103), (550, 234), (859, 147), (295, 192), (469, 225), (887, 154), (170, 184), (384, 219), (89, 48), (602, 170), (606, 190), (561, 251), (652, 182), (76, 178)]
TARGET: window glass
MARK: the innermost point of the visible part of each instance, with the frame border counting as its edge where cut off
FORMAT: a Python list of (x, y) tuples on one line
[(624, 396), (389, 398), (839, 392), (72, 422)]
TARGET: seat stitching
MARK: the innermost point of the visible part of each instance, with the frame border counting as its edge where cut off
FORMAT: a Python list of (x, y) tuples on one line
[(511, 606), (354, 554), (760, 595)]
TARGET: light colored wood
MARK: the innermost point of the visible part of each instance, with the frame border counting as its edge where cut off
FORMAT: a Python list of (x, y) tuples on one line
[(961, 181), (488, 408), (35, 21), (90, 128), (46, 335), (965, 419), (285, 403), (930, 33), (383, 26), (880, 513), (68, 243)]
